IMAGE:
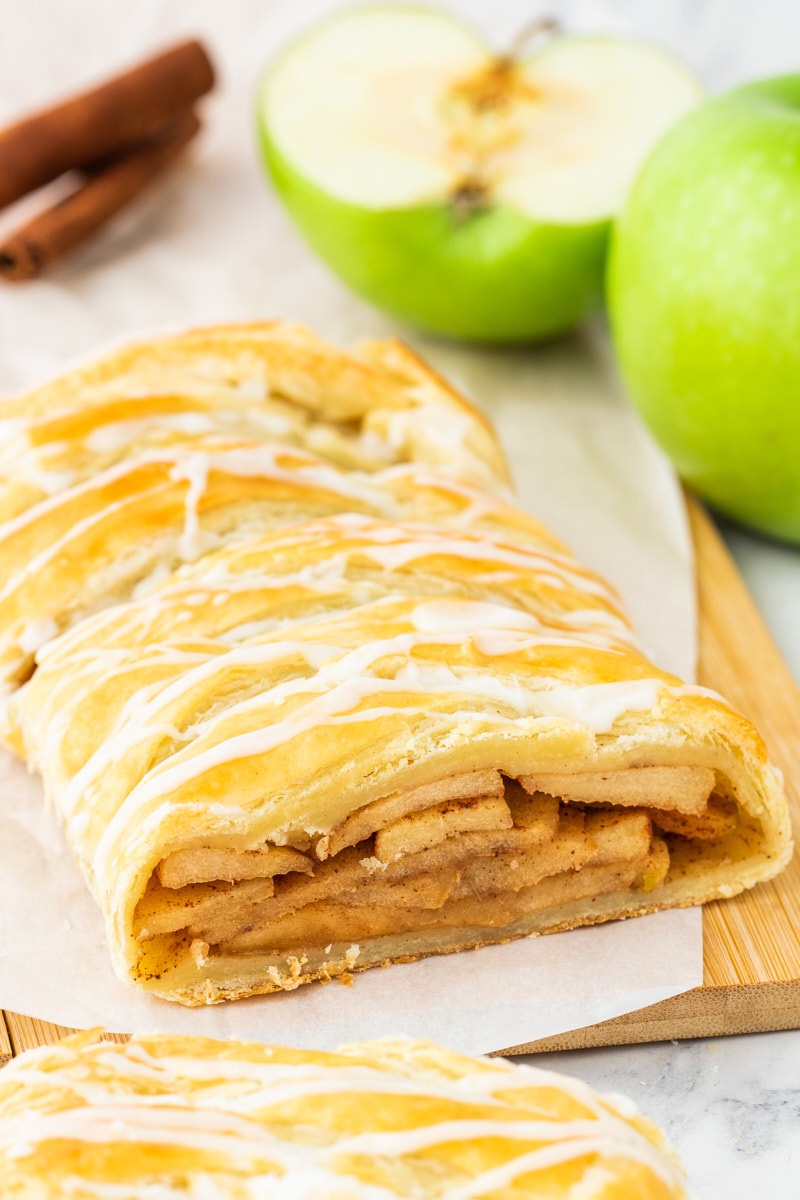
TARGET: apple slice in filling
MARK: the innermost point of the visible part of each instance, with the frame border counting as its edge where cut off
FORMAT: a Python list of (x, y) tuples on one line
[(467, 859)]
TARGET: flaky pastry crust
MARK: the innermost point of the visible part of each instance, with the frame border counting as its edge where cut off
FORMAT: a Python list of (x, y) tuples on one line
[(309, 693), (180, 1115)]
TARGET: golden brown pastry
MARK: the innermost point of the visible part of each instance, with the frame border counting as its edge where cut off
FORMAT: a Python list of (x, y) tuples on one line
[(322, 697), (179, 1116)]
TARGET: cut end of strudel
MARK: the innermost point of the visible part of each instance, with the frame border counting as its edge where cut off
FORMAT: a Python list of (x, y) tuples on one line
[(310, 695)]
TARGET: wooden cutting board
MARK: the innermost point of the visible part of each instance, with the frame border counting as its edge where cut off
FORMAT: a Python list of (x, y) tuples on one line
[(751, 943)]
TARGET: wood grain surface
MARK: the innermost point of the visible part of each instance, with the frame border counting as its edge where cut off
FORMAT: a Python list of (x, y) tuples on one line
[(751, 944)]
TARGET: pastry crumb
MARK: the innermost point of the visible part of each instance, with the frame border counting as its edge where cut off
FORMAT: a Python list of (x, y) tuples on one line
[(373, 864), (199, 951), (288, 983), (321, 848)]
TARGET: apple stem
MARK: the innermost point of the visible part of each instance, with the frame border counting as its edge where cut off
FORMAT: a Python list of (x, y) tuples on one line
[(539, 28), (491, 90)]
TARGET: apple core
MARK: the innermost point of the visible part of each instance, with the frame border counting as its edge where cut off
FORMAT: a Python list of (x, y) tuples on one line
[(466, 191)]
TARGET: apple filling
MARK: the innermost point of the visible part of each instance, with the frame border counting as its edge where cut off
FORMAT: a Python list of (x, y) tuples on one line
[(478, 850)]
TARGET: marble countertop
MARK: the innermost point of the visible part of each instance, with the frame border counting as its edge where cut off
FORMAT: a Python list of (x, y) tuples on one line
[(730, 1106)]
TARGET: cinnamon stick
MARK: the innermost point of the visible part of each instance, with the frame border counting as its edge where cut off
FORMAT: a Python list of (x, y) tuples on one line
[(116, 116), (26, 252)]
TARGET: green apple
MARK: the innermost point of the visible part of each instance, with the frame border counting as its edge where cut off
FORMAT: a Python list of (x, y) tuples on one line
[(704, 293), (466, 192)]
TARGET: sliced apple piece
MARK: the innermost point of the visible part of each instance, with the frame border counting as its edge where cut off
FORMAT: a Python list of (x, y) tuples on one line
[(467, 192)]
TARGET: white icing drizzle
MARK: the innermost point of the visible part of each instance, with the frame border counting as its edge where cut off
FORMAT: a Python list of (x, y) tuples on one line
[(159, 574), (14, 435), (557, 570), (262, 461), (35, 633), (281, 1084), (74, 533), (197, 1104), (193, 469), (305, 1181), (31, 515), (694, 689), (554, 1155), (478, 504), (136, 723), (496, 630), (339, 691), (411, 1141), (596, 707), (151, 1123), (48, 480), (117, 434), (341, 686)]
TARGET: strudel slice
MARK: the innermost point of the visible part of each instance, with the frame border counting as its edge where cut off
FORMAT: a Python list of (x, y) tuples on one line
[(179, 1116), (332, 702)]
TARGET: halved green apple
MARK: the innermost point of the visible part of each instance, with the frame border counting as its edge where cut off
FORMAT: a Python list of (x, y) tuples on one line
[(466, 192)]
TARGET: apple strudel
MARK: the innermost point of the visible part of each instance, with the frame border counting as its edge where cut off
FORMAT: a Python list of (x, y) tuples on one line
[(309, 694), (192, 1116)]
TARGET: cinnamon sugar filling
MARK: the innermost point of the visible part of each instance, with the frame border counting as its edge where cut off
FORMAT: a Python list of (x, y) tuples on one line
[(475, 849)]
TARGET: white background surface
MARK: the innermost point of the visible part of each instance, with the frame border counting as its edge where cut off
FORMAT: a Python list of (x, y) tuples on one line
[(732, 1106)]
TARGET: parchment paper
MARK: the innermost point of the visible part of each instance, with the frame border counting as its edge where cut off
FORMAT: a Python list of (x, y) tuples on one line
[(211, 243)]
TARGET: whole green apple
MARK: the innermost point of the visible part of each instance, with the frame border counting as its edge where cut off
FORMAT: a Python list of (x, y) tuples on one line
[(704, 293), (466, 192)]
